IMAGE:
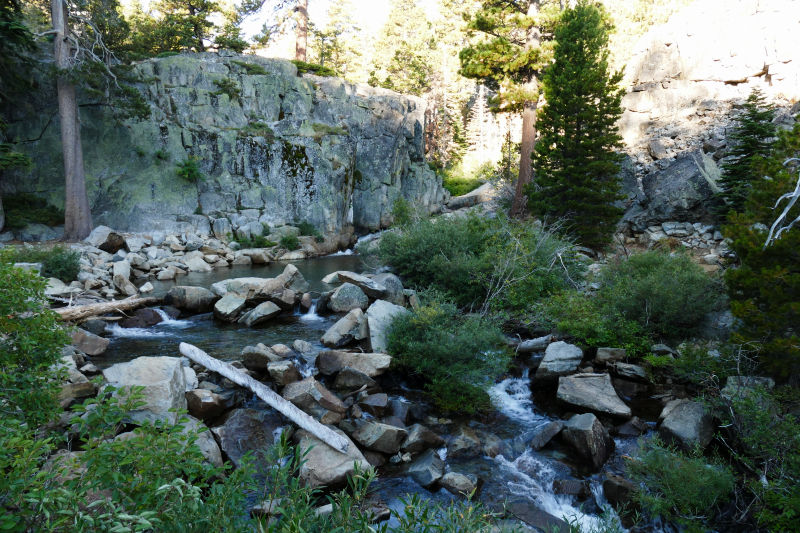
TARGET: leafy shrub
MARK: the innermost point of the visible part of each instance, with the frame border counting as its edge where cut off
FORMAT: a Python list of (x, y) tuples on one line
[(254, 241), (308, 229), (464, 178), (167, 54), (189, 170), (141, 152), (23, 209), (290, 242), (317, 70), (229, 87), (684, 489), (323, 129), (667, 294), (251, 68), (459, 356), (57, 262), (161, 155), (402, 212), (257, 129)]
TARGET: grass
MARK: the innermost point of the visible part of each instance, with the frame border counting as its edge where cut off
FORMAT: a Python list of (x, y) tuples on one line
[(257, 129)]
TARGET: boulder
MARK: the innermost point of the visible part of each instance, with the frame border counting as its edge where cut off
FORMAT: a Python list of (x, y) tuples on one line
[(346, 298), (545, 433), (379, 319), (36, 232), (283, 373), (593, 393), (89, 343), (260, 313), (141, 318), (324, 466), (610, 355), (427, 469), (198, 264), (306, 302), (292, 279), (587, 436), (459, 484), (193, 299), (374, 404), (379, 437), (633, 372), (349, 328), (687, 426), (78, 390), (464, 442), (371, 364), (164, 385), (371, 288), (286, 299), (395, 292), (205, 441), (351, 379), (247, 430), (560, 359), (283, 351), (106, 239), (420, 439), (257, 358), (400, 409), (227, 309), (121, 277), (205, 405), (314, 399)]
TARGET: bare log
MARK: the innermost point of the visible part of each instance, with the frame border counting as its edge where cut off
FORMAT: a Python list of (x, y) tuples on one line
[(534, 345), (328, 436), (83, 311)]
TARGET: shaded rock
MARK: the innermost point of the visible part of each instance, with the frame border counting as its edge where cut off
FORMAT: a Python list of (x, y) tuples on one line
[(346, 298), (628, 389), (420, 439), (393, 421), (292, 279), (545, 434), (260, 313), (205, 405), (205, 441), (77, 390), (587, 436), (164, 385), (89, 343), (306, 301), (371, 288), (400, 409), (610, 355), (194, 299), (351, 379), (286, 299), (621, 493), (634, 372), (744, 386), (592, 392), (95, 326), (352, 327), (247, 430), (379, 437), (572, 487), (283, 351), (662, 349), (283, 373), (427, 469), (228, 308), (528, 513), (258, 357), (371, 364), (314, 399), (632, 428), (325, 466), (491, 443), (374, 404), (464, 442), (374, 458), (395, 292), (459, 484), (686, 426), (379, 318), (560, 359), (106, 239), (36, 232)]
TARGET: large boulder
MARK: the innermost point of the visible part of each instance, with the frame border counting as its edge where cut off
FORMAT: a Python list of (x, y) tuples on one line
[(89, 343), (593, 393), (192, 299), (164, 385), (243, 431), (257, 358), (371, 288), (420, 439), (688, 425), (205, 405), (371, 364), (379, 318), (379, 437), (121, 277), (351, 327), (346, 298), (106, 239), (587, 436), (560, 359), (324, 466), (36, 232), (427, 469), (395, 292), (227, 309), (311, 397), (260, 313), (464, 442), (545, 434)]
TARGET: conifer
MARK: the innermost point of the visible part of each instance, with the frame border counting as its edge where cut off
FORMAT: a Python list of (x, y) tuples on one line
[(753, 137), (575, 163)]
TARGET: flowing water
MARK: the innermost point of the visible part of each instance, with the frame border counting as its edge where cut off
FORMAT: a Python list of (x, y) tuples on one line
[(518, 473)]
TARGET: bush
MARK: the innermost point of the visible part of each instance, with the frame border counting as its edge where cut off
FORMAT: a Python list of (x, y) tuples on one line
[(403, 213), (684, 489), (458, 356), (23, 209), (251, 68), (167, 54), (229, 87), (57, 262), (290, 242), (318, 70), (667, 294), (257, 129), (254, 241), (189, 170), (307, 229)]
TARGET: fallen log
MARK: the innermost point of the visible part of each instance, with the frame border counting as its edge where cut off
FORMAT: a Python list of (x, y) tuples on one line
[(78, 312), (328, 436), (534, 345)]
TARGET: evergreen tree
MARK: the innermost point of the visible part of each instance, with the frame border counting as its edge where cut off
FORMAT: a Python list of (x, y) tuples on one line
[(765, 289), (338, 45), (478, 125), (575, 160), (753, 136)]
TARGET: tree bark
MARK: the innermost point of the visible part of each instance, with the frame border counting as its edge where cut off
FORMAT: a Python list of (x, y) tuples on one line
[(519, 207), (78, 219), (302, 30), (80, 312)]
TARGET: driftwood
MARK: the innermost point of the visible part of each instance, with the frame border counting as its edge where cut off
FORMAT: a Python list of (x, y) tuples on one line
[(79, 312), (534, 345), (328, 436)]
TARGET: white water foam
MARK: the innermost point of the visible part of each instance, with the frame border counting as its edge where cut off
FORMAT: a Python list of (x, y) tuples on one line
[(135, 333), (312, 315), (166, 320), (512, 397), (343, 252)]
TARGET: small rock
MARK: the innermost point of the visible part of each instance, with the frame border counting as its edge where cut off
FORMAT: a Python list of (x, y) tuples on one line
[(283, 373), (374, 404), (258, 357), (459, 484), (379, 437), (351, 379)]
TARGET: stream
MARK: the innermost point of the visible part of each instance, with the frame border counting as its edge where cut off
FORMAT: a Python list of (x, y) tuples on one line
[(518, 474)]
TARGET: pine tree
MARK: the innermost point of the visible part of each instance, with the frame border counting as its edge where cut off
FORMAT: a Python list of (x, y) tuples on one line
[(765, 289), (478, 125), (753, 136), (575, 161)]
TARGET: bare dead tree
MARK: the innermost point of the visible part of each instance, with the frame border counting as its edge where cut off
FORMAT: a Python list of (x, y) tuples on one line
[(781, 223)]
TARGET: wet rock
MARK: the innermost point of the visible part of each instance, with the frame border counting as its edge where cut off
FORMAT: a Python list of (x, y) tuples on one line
[(610, 355), (633, 372), (325, 466), (492, 445), (393, 421), (306, 301), (352, 327), (374, 404), (560, 359), (545, 434), (427, 469), (283, 373), (164, 385), (572, 487), (400, 409), (395, 292), (620, 493), (314, 399), (371, 288), (632, 428), (106, 239), (464, 443), (527, 511), (351, 379), (247, 430), (379, 318), (592, 392), (687, 426), (193, 299), (205, 405), (346, 298), (628, 389), (95, 326), (371, 364), (379, 437), (228, 308), (584, 434), (374, 458), (283, 351), (257, 358), (260, 313), (89, 343), (419, 439), (459, 484)]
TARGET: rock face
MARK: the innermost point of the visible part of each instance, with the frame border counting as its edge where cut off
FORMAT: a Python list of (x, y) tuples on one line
[(560, 359), (587, 436), (324, 466), (247, 430), (164, 385), (592, 392), (687, 425), (298, 160)]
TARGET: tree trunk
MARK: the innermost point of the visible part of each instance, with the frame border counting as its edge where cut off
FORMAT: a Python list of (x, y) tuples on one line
[(79, 312), (302, 30), (519, 207), (78, 219)]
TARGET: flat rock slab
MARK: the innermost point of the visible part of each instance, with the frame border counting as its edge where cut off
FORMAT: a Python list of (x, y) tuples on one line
[(371, 288), (560, 359), (593, 393)]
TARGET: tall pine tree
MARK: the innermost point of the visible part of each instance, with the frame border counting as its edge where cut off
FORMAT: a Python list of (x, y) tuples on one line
[(575, 161), (753, 136)]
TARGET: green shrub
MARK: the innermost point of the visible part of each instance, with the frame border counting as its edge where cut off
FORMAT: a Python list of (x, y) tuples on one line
[(57, 262), (458, 356), (254, 241), (402, 212), (257, 129), (23, 209), (167, 54), (308, 229), (161, 155), (323, 129), (459, 186), (290, 242), (229, 87), (685, 489), (141, 152), (189, 170), (251, 68), (667, 294), (318, 70)]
